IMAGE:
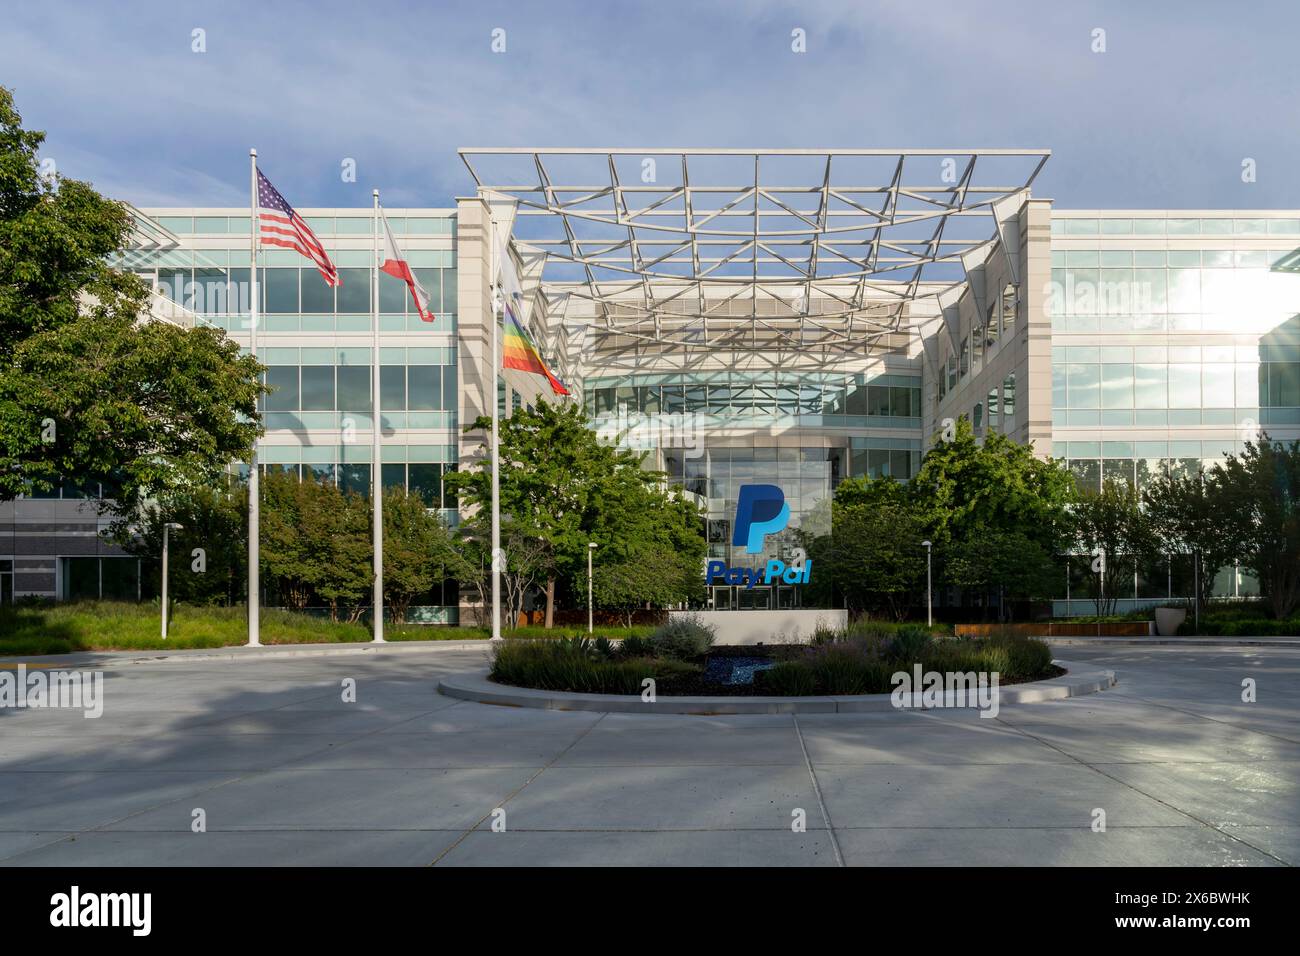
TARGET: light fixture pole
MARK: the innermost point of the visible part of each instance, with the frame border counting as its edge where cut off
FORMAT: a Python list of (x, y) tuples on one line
[(167, 526), (929, 589), (591, 547)]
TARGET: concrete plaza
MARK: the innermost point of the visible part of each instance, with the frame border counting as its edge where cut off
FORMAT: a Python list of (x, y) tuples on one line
[(286, 772)]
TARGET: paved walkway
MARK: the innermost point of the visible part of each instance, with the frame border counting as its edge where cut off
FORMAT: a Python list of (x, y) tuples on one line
[(286, 772)]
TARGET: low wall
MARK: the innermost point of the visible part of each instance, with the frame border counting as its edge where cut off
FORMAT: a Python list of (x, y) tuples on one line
[(767, 627), (1059, 629)]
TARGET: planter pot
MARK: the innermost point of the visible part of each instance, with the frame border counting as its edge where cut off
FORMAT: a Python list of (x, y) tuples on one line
[(1169, 619)]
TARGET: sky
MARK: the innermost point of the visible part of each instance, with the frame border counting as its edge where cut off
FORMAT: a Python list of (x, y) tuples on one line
[(1164, 117)]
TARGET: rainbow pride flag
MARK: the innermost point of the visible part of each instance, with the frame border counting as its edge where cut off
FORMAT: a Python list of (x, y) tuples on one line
[(517, 349), (518, 352)]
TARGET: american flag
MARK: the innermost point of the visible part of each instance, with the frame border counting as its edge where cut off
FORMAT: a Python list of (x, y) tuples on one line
[(281, 226)]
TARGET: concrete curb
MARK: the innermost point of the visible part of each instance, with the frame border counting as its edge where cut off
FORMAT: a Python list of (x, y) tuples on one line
[(1180, 641), (240, 653), (1081, 679)]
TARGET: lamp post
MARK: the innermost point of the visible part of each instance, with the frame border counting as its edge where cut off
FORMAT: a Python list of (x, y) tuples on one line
[(929, 589), (168, 526), (591, 547)]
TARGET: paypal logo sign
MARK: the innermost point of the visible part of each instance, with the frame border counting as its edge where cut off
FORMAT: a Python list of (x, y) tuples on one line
[(760, 510)]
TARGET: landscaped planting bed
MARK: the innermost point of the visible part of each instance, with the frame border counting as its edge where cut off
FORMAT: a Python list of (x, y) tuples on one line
[(682, 660)]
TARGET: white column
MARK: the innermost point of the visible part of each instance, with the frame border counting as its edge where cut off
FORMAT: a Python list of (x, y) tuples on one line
[(254, 485), (494, 446), (376, 465)]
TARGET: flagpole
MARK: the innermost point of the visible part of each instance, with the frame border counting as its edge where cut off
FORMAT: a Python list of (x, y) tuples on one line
[(376, 465), (254, 485), (495, 445)]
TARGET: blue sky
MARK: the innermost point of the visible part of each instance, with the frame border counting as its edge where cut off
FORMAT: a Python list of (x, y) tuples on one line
[(1163, 118)]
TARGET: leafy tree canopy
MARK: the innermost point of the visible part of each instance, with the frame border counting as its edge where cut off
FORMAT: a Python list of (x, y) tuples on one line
[(560, 484), (88, 391)]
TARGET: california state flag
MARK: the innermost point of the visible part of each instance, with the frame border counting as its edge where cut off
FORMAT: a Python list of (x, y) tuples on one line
[(399, 268)]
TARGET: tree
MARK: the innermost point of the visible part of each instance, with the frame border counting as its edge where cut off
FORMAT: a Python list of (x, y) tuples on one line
[(1010, 563), (1113, 530), (1186, 516), (316, 541), (563, 487), (652, 577), (214, 519), (527, 559), (86, 390), (873, 555), (418, 551), (967, 488), (1260, 495), (997, 515)]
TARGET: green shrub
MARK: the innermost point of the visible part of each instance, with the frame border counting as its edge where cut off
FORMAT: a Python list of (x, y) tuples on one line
[(574, 665), (682, 638), (787, 679), (909, 641), (846, 669), (825, 634), (1026, 658), (636, 645)]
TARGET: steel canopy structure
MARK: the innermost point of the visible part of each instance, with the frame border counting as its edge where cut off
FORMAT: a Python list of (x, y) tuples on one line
[(663, 251)]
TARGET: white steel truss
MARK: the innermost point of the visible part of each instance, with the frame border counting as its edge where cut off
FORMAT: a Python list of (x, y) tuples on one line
[(791, 251)]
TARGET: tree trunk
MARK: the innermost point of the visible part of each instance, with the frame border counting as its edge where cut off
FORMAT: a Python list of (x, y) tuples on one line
[(550, 602)]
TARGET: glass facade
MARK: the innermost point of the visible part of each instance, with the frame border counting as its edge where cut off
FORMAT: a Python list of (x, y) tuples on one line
[(1173, 344), (833, 401)]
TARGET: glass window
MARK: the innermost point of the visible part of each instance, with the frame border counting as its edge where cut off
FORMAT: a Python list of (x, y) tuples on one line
[(448, 283), (120, 578), (431, 279), (280, 290), (1284, 384), (1250, 385), (1184, 386), (1217, 386), (1184, 293), (392, 387), (1117, 386), (856, 402), (393, 475), (426, 481), (424, 387), (354, 388), (1117, 469), (284, 379), (449, 388), (1151, 385), (877, 400), (1081, 227), (317, 296), (80, 578), (355, 478), (393, 294), (318, 388), (354, 293), (1087, 474), (1083, 383)]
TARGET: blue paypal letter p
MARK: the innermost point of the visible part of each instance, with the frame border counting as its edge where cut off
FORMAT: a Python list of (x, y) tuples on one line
[(760, 510)]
